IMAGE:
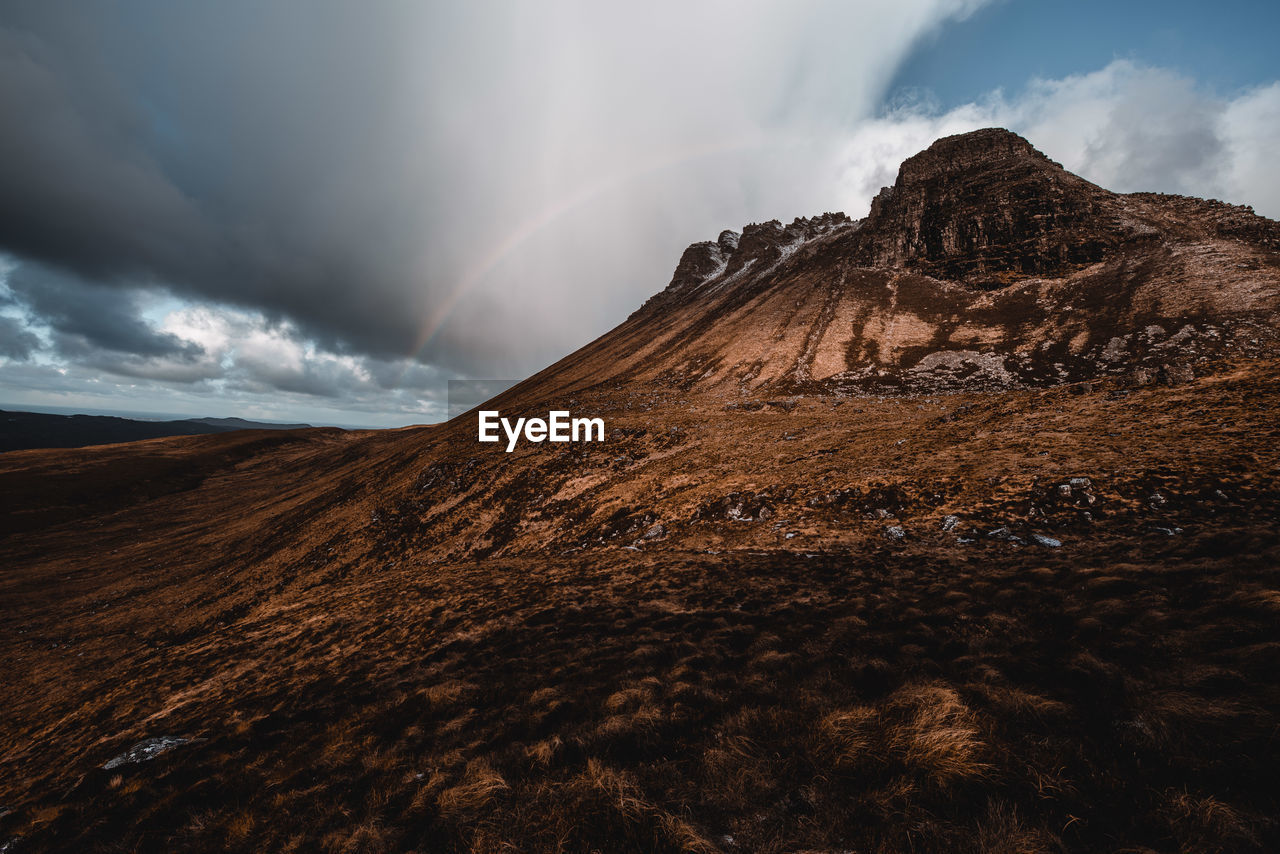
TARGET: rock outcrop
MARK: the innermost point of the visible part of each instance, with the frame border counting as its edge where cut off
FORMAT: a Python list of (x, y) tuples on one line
[(986, 208)]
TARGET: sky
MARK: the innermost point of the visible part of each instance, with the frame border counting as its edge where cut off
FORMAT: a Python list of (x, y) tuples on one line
[(327, 211)]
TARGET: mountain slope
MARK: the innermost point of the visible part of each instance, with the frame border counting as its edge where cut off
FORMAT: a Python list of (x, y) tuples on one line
[(986, 265)]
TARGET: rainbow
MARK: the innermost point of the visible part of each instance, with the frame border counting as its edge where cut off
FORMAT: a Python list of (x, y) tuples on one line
[(525, 231)]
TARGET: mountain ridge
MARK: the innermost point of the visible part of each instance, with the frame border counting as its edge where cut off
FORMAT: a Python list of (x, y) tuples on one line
[(21, 430), (986, 265)]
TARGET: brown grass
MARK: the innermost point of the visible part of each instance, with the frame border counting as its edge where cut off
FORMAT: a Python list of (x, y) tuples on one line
[(365, 685)]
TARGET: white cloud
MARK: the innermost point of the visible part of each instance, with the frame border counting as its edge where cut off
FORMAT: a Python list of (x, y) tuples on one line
[(1251, 125), (1125, 127)]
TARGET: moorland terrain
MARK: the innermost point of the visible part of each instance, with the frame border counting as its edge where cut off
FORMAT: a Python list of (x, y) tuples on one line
[(953, 528)]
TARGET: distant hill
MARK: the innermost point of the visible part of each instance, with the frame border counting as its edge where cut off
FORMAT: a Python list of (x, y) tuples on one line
[(242, 424), (20, 430)]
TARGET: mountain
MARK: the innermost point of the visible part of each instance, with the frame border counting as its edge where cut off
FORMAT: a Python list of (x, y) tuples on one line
[(985, 265), (20, 430), (952, 528)]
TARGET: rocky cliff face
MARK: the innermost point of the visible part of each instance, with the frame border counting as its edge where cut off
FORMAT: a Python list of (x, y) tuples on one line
[(986, 208), (986, 265), (734, 257)]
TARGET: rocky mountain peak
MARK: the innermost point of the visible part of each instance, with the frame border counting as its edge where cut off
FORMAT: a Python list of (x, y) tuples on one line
[(986, 208), (985, 266), (728, 241), (966, 152)]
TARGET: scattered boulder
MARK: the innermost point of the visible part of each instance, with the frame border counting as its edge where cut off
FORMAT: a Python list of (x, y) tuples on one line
[(656, 532), (1177, 374), (1006, 534)]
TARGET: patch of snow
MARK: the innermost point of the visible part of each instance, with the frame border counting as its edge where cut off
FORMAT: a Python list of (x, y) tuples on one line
[(710, 288), (145, 751)]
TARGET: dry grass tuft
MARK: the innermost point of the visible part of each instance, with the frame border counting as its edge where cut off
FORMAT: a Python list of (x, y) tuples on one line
[(479, 788), (628, 698), (445, 694), (851, 738), (599, 808), (736, 777), (1019, 703), (1002, 831), (1206, 825), (935, 733), (371, 837), (925, 728), (543, 752)]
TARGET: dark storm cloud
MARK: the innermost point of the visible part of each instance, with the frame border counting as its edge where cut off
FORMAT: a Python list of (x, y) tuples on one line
[(75, 188), (187, 369), (86, 318), (16, 341), (221, 161), (483, 185), (319, 379)]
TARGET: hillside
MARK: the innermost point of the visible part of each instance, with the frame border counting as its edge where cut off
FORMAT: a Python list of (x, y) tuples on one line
[(948, 529)]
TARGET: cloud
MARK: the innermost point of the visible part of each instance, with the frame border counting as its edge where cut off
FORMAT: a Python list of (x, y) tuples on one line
[(103, 338), (1251, 126), (251, 353), (231, 361), (346, 205), (1126, 127), (16, 341), (87, 318), (480, 186)]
